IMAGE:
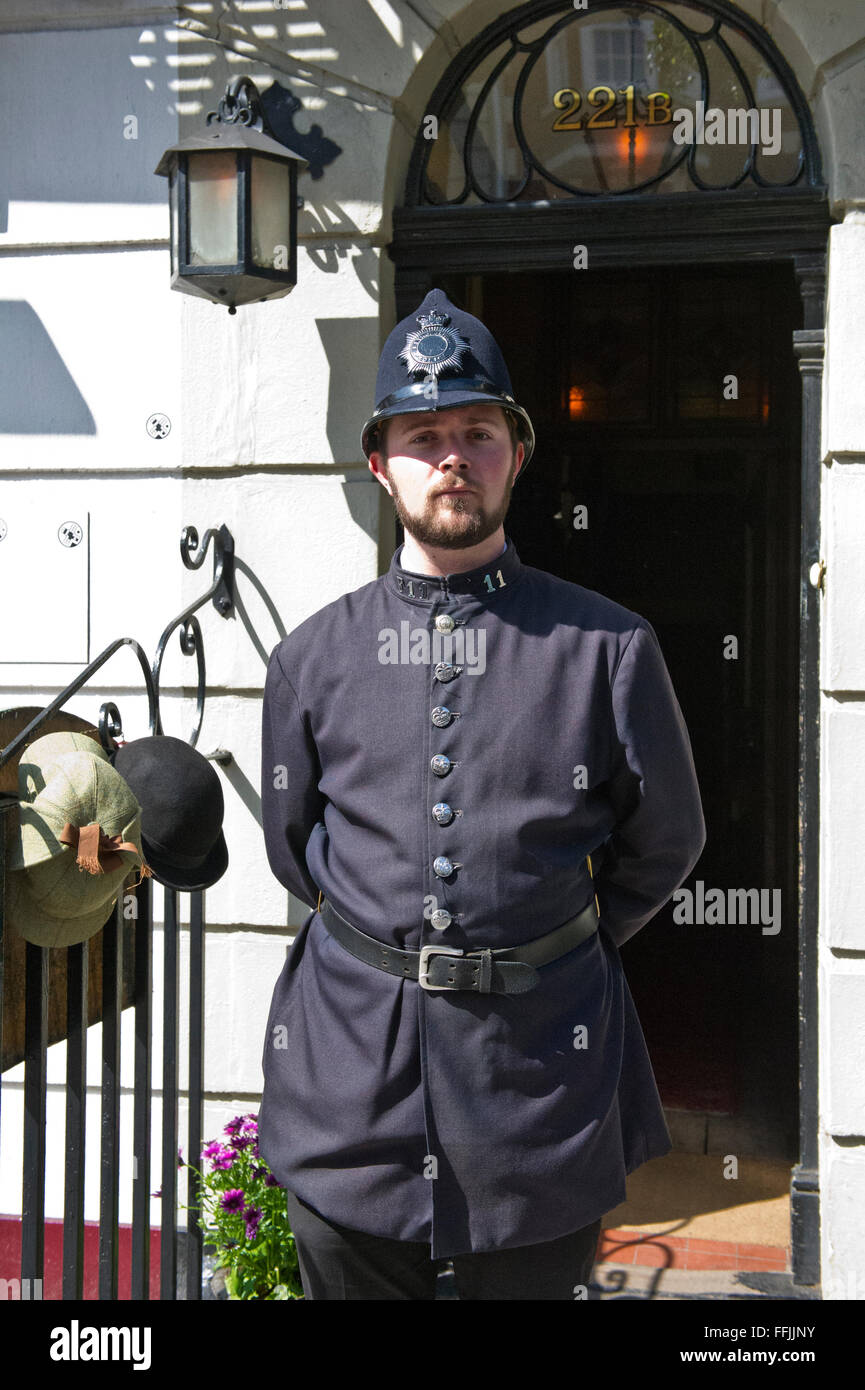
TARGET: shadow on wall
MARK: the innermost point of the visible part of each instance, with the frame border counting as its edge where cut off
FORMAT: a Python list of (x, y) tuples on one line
[(279, 106), (90, 122), (155, 85), (240, 566), (37, 393), (352, 350)]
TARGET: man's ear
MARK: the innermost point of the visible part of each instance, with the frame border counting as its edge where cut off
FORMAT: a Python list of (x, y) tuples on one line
[(521, 454), (376, 467)]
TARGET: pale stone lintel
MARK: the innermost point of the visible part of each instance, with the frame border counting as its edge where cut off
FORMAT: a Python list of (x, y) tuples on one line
[(229, 36), (237, 40), (324, 237), (358, 470), (839, 63), (441, 27), (47, 15)]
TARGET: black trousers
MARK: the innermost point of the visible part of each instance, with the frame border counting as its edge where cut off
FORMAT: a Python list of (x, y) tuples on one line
[(339, 1263)]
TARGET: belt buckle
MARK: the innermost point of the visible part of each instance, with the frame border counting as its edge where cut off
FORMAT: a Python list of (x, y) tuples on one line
[(423, 964)]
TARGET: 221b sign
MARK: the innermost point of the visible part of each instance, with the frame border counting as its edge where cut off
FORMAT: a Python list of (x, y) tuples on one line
[(568, 101)]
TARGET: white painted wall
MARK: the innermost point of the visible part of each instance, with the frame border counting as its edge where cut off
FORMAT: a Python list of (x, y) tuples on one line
[(842, 921)]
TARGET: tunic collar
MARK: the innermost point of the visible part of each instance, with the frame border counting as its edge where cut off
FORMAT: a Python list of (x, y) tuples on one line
[(485, 582)]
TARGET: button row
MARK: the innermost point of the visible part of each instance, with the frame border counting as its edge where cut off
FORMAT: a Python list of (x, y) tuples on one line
[(441, 765)]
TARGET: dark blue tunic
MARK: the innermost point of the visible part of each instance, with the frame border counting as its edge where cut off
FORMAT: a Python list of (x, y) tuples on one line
[(474, 1122)]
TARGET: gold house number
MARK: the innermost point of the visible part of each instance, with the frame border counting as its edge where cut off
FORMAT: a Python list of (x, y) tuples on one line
[(568, 100)]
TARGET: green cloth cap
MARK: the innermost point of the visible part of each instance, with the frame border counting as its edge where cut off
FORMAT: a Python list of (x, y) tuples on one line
[(36, 768), (67, 778)]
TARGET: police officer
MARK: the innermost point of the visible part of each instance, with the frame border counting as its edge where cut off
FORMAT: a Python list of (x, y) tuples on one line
[(478, 777)]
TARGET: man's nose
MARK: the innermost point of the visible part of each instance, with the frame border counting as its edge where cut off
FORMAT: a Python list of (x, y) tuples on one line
[(453, 456)]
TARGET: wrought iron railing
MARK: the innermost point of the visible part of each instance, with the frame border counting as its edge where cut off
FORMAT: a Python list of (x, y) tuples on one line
[(118, 942)]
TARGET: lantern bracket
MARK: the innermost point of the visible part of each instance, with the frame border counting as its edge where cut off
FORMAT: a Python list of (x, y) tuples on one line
[(241, 103)]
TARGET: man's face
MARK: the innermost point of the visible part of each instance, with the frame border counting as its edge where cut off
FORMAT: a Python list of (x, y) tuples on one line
[(450, 473)]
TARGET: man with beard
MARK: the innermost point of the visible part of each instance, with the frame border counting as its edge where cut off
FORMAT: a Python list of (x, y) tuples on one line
[(467, 498), (454, 1068)]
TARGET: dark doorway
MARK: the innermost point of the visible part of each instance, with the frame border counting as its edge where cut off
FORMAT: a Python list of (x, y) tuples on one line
[(692, 495)]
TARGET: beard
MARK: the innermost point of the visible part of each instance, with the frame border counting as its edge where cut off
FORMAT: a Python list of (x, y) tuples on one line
[(469, 522)]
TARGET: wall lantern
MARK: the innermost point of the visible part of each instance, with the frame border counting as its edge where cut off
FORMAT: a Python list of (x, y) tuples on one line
[(233, 201)]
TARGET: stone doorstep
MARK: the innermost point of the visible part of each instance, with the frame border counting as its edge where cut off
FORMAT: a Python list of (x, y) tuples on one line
[(630, 1247), (611, 1281)]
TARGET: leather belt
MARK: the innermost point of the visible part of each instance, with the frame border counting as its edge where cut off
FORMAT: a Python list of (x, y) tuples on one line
[(508, 970)]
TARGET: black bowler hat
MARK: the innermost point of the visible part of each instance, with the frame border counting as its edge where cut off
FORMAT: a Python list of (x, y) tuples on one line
[(438, 358), (181, 801)]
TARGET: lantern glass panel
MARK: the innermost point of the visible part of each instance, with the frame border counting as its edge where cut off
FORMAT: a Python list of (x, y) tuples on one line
[(175, 232), (271, 215), (212, 181)]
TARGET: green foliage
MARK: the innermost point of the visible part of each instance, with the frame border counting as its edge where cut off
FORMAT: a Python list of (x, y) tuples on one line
[(242, 1214)]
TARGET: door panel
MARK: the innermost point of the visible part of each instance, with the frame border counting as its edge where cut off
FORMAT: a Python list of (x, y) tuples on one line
[(691, 485)]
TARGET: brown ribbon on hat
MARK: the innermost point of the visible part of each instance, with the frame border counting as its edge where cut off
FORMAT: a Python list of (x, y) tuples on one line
[(97, 852)]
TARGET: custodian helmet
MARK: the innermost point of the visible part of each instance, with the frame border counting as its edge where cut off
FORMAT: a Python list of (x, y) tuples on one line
[(437, 358)]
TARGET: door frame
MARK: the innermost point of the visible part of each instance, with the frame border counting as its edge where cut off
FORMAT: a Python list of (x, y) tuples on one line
[(789, 224)]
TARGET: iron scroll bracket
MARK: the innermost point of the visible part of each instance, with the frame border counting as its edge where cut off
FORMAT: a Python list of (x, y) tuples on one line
[(221, 592)]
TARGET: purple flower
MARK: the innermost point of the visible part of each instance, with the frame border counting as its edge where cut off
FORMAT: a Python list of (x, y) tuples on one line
[(233, 1126), (250, 1124), (212, 1149), (233, 1199), (259, 1171), (271, 1181), (252, 1217), (180, 1162), (223, 1160), (240, 1141)]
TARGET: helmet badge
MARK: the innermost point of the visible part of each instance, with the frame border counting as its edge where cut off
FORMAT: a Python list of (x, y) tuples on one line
[(434, 348)]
